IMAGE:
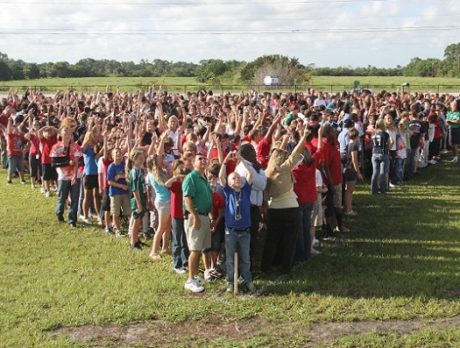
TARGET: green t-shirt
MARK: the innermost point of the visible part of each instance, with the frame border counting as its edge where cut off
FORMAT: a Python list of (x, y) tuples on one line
[(453, 116), (137, 183), (197, 187), (289, 118)]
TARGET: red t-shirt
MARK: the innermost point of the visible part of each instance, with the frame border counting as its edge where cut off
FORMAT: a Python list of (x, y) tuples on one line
[(305, 183), (263, 152), (34, 149), (218, 203), (177, 210), (231, 165), (312, 146), (331, 158), (4, 120), (15, 144), (46, 145)]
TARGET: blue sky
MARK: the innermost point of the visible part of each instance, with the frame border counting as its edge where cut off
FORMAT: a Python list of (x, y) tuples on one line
[(382, 33)]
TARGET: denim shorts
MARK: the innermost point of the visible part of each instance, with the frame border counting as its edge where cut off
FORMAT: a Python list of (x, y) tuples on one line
[(15, 163)]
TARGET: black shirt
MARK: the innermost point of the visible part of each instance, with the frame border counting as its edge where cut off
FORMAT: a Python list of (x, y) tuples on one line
[(380, 141)]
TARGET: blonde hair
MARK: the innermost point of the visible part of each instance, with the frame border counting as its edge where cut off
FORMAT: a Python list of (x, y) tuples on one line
[(277, 158), (157, 171), (380, 124), (134, 155)]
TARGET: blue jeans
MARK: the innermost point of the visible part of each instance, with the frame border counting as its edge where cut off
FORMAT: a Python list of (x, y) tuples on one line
[(303, 245), (238, 241), (180, 250), (411, 162), (399, 170), (64, 189), (380, 165)]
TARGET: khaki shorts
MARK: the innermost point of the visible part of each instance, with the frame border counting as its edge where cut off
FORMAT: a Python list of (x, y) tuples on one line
[(198, 240), (163, 207), (122, 202), (338, 196)]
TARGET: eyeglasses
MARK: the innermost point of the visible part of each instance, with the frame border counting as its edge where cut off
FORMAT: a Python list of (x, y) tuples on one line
[(202, 159)]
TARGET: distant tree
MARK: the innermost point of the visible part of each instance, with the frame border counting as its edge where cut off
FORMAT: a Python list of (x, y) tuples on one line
[(31, 71)]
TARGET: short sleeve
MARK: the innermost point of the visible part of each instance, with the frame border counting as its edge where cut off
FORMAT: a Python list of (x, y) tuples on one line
[(111, 173), (188, 187)]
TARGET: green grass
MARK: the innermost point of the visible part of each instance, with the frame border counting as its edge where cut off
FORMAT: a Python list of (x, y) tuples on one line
[(401, 262), (232, 83)]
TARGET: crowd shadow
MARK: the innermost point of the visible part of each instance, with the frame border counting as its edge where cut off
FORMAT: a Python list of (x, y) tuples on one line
[(400, 245)]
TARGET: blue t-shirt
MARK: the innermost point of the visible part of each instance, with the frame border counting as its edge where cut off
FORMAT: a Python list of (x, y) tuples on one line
[(112, 172), (161, 191), (238, 205), (90, 161)]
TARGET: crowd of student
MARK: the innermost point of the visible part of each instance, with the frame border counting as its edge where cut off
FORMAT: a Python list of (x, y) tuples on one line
[(208, 172)]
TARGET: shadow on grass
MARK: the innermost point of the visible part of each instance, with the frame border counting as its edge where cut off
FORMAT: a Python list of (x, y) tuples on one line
[(403, 244)]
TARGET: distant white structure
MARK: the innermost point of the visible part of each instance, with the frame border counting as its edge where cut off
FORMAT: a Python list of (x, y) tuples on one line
[(271, 80)]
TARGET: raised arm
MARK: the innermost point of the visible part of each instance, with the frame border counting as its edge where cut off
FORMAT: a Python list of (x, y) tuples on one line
[(246, 166)]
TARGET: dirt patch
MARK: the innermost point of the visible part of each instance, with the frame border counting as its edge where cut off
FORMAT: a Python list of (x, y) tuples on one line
[(160, 333)]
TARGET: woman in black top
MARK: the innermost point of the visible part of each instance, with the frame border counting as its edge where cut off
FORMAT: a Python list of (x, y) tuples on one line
[(380, 162)]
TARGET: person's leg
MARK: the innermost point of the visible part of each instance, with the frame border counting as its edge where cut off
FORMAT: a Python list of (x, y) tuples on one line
[(255, 221), (230, 249), (375, 174), (162, 226), (88, 197), (305, 223), (20, 167), (115, 206), (176, 247), (137, 221), (193, 263), (244, 259), (74, 199), (63, 193), (348, 199), (384, 165), (289, 238), (166, 240), (274, 231), (300, 252)]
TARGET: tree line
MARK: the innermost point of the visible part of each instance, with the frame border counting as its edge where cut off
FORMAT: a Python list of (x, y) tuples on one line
[(213, 70)]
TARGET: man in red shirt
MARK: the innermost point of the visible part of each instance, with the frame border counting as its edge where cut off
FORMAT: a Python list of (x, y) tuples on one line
[(15, 149), (332, 165)]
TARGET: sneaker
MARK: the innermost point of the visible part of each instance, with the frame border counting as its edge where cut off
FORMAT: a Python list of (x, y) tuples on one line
[(86, 221), (199, 280), (352, 212), (42, 191), (250, 287), (108, 230), (119, 233), (342, 230), (229, 288), (47, 194), (313, 251), (137, 246), (215, 273), (73, 226), (193, 286), (208, 276), (9, 182), (60, 217), (315, 242), (433, 161), (23, 182), (444, 151), (180, 270), (454, 160)]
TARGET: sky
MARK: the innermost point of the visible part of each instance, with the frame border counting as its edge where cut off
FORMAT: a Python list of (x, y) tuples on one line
[(383, 33)]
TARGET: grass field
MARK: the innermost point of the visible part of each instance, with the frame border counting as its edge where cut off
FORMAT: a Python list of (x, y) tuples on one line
[(182, 84), (393, 282)]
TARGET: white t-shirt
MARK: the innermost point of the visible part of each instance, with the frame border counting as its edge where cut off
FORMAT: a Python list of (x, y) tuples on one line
[(319, 178)]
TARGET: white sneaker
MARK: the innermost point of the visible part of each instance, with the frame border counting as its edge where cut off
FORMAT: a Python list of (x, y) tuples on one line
[(315, 252), (47, 194), (454, 160), (352, 212), (391, 185), (199, 280), (180, 270), (193, 286), (315, 242), (207, 276), (42, 191), (86, 221), (433, 161), (444, 151)]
